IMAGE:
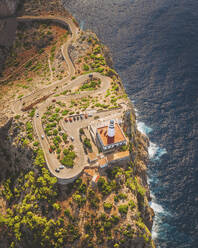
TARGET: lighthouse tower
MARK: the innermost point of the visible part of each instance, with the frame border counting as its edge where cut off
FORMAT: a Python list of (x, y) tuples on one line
[(111, 129)]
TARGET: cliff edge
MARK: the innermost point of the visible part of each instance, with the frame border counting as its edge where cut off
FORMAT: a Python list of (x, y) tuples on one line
[(64, 181)]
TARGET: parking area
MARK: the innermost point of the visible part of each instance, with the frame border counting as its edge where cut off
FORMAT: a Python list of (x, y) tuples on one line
[(72, 124)]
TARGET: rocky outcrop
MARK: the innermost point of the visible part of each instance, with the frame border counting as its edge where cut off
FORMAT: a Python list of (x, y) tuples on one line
[(14, 154), (8, 7)]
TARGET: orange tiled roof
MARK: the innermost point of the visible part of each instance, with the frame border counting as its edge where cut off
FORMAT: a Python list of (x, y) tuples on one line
[(119, 137)]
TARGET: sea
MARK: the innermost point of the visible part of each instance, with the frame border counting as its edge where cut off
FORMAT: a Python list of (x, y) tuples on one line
[(154, 45)]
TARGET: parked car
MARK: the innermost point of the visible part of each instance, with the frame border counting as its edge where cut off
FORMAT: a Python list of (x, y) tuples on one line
[(57, 170), (81, 117), (77, 117), (66, 120), (86, 116), (74, 118), (54, 100), (70, 119), (42, 136), (72, 138), (61, 167), (37, 115), (50, 150)]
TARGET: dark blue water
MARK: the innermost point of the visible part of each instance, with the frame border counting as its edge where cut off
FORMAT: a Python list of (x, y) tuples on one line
[(154, 44)]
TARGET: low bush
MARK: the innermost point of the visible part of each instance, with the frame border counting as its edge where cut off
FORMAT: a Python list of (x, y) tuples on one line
[(85, 67), (123, 209), (107, 206), (68, 159), (87, 143), (36, 143)]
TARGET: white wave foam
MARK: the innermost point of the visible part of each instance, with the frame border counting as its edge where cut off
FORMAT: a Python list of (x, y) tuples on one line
[(136, 112), (152, 149), (143, 128), (154, 235), (157, 207), (82, 23), (152, 180), (155, 152)]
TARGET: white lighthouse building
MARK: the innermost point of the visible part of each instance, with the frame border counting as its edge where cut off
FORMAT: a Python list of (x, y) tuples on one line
[(110, 136), (111, 129)]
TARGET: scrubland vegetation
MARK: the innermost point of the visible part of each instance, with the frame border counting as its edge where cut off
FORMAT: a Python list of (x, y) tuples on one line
[(35, 209)]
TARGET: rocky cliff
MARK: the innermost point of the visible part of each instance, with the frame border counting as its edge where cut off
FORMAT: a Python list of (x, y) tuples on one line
[(8, 7), (113, 213)]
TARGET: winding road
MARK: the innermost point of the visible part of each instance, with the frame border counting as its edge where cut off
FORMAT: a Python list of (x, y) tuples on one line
[(66, 175)]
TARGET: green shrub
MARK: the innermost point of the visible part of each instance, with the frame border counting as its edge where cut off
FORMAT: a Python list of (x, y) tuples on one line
[(64, 92), (85, 67), (80, 200), (116, 246), (131, 204), (82, 188), (124, 148), (56, 141), (36, 143), (87, 143), (20, 96), (58, 151), (65, 112), (99, 69), (111, 72), (25, 141), (107, 205), (108, 225), (28, 64), (68, 159), (140, 189), (114, 219), (64, 136), (123, 209), (103, 186), (32, 113), (29, 127), (67, 213), (55, 132), (17, 117), (122, 196), (53, 49), (97, 50), (81, 131), (41, 51), (57, 207)]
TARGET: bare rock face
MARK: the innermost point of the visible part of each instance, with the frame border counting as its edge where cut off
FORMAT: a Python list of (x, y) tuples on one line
[(8, 7)]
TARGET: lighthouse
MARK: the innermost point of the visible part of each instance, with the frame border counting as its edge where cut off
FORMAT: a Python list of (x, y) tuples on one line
[(111, 129), (110, 136)]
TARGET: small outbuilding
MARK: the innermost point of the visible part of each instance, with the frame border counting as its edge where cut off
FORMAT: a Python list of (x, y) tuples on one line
[(94, 180)]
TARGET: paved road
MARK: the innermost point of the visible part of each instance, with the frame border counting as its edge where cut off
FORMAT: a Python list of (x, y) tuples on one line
[(71, 128), (71, 69)]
